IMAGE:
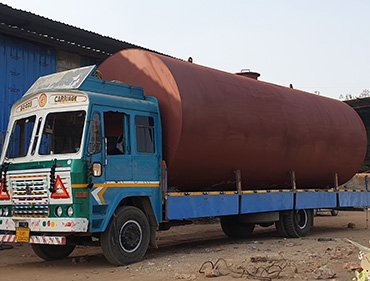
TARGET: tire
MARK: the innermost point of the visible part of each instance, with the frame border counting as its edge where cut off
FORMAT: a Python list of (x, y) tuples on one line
[(280, 228), (298, 223), (127, 236), (233, 228), (334, 212), (52, 252)]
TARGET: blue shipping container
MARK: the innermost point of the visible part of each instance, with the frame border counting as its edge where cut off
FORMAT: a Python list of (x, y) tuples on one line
[(21, 63)]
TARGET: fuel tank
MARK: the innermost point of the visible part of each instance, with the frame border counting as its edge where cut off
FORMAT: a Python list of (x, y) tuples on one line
[(215, 123)]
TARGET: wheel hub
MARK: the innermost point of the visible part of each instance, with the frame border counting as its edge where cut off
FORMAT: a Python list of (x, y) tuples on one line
[(301, 218), (130, 236)]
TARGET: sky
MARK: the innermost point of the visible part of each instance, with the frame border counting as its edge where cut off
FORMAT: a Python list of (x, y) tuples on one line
[(319, 46)]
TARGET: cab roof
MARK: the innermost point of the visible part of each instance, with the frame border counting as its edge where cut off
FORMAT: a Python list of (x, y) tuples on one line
[(83, 79)]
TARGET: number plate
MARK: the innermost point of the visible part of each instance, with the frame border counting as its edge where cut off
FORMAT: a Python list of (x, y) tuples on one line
[(22, 234)]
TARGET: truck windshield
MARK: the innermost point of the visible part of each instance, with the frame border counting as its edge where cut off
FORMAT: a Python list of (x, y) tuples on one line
[(62, 133), (20, 137)]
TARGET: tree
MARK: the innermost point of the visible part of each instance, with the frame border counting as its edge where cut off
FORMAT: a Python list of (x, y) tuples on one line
[(364, 94)]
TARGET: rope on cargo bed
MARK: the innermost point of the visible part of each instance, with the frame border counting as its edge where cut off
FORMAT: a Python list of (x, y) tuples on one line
[(263, 273)]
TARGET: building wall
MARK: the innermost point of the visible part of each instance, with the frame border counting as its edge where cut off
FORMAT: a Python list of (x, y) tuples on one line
[(21, 63), (66, 60)]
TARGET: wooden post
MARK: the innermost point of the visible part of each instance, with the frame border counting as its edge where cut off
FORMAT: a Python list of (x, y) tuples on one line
[(335, 181), (292, 180), (238, 178)]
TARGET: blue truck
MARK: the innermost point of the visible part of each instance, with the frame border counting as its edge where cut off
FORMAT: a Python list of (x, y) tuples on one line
[(75, 168)]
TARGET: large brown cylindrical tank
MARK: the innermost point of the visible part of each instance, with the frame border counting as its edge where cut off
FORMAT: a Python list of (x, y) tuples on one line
[(215, 123)]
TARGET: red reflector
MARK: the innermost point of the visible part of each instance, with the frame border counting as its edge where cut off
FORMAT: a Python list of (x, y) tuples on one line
[(3, 195), (60, 190)]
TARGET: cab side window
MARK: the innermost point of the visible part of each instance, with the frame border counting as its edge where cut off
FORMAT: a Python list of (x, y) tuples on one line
[(145, 134), (95, 134), (114, 132)]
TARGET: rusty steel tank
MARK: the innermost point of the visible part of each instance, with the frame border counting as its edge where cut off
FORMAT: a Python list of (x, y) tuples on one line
[(215, 123)]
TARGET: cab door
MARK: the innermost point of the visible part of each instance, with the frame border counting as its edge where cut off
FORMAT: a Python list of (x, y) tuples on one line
[(118, 159), (109, 145)]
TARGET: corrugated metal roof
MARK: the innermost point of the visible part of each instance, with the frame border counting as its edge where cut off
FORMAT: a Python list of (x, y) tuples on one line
[(359, 103), (30, 26)]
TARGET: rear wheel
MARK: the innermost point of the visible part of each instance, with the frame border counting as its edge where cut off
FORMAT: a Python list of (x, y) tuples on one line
[(279, 225), (52, 252), (233, 228), (298, 223), (127, 236)]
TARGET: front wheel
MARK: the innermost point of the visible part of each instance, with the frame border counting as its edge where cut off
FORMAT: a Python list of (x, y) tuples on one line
[(52, 252), (233, 228), (127, 236)]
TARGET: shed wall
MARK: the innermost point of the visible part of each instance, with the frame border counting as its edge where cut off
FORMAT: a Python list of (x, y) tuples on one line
[(21, 63)]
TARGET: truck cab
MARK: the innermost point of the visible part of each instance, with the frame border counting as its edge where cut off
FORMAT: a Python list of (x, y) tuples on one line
[(78, 152)]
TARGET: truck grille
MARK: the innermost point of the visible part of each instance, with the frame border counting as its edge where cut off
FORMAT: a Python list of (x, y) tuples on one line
[(30, 195), (31, 211)]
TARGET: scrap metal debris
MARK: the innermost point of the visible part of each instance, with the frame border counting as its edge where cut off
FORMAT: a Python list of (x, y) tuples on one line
[(266, 258), (361, 247), (362, 274), (352, 266), (325, 239), (324, 272), (262, 273), (338, 252)]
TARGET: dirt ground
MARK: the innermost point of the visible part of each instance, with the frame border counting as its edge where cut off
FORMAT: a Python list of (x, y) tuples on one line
[(182, 251)]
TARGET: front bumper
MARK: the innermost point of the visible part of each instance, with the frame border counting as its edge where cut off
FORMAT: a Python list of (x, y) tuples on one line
[(66, 225), (36, 239)]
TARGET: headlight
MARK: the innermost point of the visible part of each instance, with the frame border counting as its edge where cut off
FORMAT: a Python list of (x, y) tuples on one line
[(59, 211), (70, 211)]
